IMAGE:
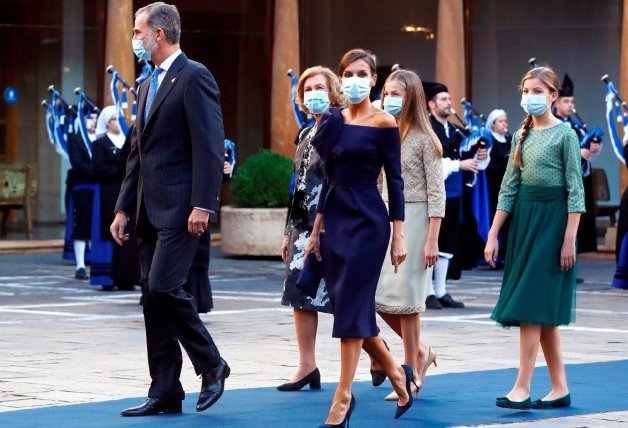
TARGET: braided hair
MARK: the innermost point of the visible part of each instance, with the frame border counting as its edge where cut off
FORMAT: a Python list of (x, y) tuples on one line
[(549, 78)]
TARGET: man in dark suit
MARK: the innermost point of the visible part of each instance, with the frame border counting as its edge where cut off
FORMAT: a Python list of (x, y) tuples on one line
[(172, 184)]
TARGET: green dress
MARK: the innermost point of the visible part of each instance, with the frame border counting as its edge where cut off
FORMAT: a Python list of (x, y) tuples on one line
[(539, 195)]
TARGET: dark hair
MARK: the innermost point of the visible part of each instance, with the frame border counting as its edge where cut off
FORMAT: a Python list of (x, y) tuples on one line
[(164, 16), (355, 55), (549, 78)]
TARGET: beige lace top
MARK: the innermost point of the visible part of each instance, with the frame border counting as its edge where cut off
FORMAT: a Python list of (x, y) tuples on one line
[(422, 173)]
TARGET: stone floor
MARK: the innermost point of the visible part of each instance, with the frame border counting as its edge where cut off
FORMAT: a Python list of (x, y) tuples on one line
[(65, 342)]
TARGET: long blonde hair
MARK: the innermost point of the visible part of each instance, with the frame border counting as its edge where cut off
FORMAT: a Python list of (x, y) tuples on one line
[(413, 111), (549, 78)]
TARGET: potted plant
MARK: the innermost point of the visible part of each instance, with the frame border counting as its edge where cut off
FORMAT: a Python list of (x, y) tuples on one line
[(254, 227)]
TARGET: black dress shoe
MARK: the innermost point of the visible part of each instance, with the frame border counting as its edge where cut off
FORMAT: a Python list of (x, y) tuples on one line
[(81, 274), (153, 406), (448, 302), (314, 379), (212, 386), (432, 302)]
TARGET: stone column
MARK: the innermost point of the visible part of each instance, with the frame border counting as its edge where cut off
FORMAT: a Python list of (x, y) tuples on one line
[(118, 50), (450, 64), (623, 85), (283, 128)]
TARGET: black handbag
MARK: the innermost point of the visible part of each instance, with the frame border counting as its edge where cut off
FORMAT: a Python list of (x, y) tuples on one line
[(312, 273)]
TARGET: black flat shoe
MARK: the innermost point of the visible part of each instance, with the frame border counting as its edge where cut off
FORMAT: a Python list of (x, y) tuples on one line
[(409, 381), (81, 274), (506, 403), (314, 379), (153, 406), (564, 401), (345, 421), (212, 386), (432, 302), (448, 302)]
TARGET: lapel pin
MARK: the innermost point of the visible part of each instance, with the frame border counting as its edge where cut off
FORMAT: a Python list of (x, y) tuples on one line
[(173, 79)]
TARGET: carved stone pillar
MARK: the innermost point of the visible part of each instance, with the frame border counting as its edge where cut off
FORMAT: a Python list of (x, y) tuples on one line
[(450, 63), (118, 50), (283, 128)]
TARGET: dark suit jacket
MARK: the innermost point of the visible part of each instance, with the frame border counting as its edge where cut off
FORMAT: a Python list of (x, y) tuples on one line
[(177, 157)]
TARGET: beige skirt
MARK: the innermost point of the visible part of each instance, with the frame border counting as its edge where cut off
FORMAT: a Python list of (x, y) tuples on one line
[(404, 293)]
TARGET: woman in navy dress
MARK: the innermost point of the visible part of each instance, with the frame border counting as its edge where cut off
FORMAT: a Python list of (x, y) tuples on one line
[(354, 144)]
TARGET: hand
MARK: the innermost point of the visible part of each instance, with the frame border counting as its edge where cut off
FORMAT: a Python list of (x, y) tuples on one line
[(398, 252), (469, 165), (595, 147), (568, 254), (482, 154), (198, 221), (491, 250), (430, 253), (284, 249), (117, 228), (226, 169), (312, 246)]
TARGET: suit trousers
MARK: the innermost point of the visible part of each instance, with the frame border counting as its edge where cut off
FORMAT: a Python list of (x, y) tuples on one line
[(170, 313)]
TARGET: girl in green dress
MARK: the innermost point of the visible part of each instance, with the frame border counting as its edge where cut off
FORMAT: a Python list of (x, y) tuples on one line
[(542, 190)]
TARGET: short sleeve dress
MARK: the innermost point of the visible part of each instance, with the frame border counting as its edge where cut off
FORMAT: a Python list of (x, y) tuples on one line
[(357, 223), (539, 195)]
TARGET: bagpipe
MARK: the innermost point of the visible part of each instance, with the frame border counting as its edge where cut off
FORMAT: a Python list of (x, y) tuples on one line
[(60, 117), (87, 107), (616, 112), (477, 137), (473, 118), (119, 95)]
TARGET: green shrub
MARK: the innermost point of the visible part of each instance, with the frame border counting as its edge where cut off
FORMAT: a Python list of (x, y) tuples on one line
[(263, 181)]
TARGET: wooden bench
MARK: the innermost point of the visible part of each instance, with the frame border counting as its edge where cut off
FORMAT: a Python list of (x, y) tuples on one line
[(16, 194)]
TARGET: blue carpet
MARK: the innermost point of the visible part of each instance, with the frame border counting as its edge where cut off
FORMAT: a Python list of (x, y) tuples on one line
[(449, 399)]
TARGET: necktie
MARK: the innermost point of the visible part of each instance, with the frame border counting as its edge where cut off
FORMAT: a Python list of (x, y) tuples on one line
[(152, 90)]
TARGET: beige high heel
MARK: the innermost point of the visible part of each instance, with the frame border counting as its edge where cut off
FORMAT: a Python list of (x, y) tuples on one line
[(431, 359), (413, 388)]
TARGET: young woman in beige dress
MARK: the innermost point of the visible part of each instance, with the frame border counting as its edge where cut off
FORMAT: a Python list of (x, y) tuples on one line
[(400, 297)]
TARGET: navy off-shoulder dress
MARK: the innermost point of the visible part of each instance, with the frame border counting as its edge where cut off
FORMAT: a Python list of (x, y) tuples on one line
[(357, 223)]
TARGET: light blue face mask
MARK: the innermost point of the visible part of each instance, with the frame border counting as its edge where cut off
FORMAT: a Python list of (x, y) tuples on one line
[(316, 101), (356, 89), (534, 104), (393, 105), (140, 51)]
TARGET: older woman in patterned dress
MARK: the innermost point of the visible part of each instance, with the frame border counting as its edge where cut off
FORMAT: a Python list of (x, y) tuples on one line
[(318, 89)]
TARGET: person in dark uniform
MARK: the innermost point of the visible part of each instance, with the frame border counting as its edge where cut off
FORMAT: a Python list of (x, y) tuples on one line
[(110, 152), (81, 181), (439, 105), (564, 108), (497, 123)]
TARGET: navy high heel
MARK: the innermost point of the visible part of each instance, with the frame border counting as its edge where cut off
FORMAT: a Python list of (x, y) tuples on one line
[(409, 381), (345, 421)]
